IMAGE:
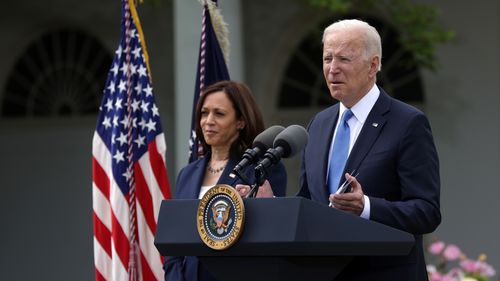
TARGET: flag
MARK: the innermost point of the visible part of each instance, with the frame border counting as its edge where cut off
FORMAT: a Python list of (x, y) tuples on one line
[(211, 63), (129, 175)]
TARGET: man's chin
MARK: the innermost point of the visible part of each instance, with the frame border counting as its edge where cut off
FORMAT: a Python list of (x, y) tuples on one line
[(336, 94)]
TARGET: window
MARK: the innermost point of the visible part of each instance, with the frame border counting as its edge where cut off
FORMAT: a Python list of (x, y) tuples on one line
[(61, 74)]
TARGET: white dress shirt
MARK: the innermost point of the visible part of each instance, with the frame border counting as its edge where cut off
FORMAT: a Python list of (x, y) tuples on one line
[(360, 112)]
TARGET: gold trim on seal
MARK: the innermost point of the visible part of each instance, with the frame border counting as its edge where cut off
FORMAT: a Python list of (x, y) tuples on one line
[(220, 217)]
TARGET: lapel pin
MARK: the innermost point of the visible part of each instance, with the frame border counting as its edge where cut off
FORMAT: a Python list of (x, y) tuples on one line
[(375, 125)]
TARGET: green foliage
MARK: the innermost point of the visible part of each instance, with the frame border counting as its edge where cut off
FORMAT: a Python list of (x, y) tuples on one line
[(419, 31), (341, 6)]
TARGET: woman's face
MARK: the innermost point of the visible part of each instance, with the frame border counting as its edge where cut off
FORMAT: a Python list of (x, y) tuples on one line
[(218, 121)]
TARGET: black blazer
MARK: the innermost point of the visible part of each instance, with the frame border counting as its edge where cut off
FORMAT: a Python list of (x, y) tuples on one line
[(398, 170), (188, 186)]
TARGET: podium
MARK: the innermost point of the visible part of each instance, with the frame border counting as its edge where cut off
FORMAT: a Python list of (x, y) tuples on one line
[(287, 238)]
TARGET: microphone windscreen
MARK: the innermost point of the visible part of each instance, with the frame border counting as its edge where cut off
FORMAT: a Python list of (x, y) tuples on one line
[(292, 140), (265, 139)]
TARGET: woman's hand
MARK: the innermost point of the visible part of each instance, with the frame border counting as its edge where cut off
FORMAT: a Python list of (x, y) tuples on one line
[(243, 189), (265, 190)]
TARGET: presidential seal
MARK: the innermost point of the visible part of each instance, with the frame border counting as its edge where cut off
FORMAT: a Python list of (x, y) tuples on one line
[(220, 217)]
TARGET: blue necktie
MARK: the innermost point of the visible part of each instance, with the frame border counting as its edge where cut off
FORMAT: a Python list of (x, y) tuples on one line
[(339, 153)]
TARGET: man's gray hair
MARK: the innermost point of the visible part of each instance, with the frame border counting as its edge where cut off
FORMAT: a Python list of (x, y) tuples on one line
[(371, 38)]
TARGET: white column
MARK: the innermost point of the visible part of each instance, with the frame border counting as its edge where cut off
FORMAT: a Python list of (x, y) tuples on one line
[(231, 11), (187, 30)]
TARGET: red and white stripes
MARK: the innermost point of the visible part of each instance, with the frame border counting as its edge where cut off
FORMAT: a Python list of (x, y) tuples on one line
[(112, 214)]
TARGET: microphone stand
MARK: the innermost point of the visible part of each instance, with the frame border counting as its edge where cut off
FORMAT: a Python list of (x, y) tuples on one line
[(260, 178), (253, 191), (244, 178), (272, 156), (241, 176)]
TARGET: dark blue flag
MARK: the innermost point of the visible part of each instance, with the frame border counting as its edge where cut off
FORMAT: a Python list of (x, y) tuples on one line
[(211, 68)]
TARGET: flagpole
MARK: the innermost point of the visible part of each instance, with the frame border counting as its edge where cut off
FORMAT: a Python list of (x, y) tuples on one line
[(132, 264), (137, 22), (211, 68)]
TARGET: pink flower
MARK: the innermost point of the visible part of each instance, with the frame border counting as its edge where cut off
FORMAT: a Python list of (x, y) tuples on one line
[(436, 248), (452, 252), (449, 278), (469, 266), (435, 276), (486, 269), (448, 256)]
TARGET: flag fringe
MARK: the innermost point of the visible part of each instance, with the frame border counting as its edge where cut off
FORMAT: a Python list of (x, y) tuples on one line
[(220, 28)]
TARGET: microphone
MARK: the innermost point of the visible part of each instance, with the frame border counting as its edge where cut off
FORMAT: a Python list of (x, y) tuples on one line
[(260, 144), (286, 144)]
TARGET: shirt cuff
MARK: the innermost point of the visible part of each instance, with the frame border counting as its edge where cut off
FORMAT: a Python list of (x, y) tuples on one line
[(366, 209)]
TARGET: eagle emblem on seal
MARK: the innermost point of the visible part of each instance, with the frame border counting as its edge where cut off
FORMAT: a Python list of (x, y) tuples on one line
[(220, 216)]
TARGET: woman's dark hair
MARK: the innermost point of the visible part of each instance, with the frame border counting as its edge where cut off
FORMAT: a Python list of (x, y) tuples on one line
[(246, 109)]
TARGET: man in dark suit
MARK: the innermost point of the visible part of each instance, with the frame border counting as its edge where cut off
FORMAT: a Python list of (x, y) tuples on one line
[(390, 145)]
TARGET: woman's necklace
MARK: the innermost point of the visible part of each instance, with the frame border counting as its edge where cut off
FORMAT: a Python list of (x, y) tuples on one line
[(216, 170)]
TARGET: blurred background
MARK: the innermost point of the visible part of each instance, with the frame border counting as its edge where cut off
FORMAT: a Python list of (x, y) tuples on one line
[(55, 56)]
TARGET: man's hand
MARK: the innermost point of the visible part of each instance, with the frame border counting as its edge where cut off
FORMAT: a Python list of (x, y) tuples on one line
[(352, 202)]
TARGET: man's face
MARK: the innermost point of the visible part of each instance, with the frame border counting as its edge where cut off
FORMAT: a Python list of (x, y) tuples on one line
[(348, 74)]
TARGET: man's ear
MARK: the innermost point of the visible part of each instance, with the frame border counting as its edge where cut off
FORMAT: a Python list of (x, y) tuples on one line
[(374, 66)]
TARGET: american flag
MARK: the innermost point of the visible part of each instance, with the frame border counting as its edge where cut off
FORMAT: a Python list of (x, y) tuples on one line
[(129, 174), (211, 66)]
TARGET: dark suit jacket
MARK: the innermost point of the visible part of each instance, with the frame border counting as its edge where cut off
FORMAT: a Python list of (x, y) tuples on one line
[(188, 186), (399, 172)]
